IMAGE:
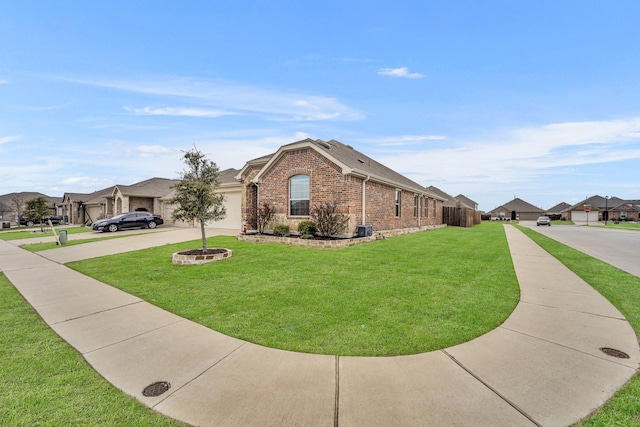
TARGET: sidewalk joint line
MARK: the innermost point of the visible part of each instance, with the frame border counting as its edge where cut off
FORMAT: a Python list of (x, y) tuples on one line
[(133, 336), (504, 398), (90, 314), (589, 313)]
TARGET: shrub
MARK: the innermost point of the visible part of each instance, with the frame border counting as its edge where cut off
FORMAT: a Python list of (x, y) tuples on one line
[(264, 215), (281, 230), (307, 236), (306, 227), (328, 221)]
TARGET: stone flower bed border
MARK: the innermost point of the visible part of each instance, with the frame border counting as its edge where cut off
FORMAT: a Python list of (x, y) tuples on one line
[(335, 243), (182, 259)]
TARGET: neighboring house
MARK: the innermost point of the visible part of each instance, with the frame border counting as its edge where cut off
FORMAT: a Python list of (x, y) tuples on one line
[(310, 172), (516, 209), (466, 202), (83, 208), (556, 211), (594, 208), (459, 201), (8, 209), (627, 211), (142, 196), (449, 200)]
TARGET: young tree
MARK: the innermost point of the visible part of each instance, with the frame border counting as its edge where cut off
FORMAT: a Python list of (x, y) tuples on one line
[(37, 209), (195, 193), (264, 215)]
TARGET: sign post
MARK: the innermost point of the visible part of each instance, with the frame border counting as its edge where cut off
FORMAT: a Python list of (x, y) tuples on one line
[(587, 209)]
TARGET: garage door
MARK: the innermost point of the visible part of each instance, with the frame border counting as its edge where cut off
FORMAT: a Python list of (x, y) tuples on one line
[(581, 216), (233, 204)]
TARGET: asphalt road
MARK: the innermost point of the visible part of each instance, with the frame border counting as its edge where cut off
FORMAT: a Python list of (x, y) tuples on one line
[(620, 248)]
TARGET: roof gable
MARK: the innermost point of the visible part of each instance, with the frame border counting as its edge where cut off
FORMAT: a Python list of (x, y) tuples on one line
[(519, 205), (350, 162)]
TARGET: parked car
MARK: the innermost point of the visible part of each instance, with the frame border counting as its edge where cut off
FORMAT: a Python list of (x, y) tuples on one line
[(544, 220), (128, 220), (55, 219)]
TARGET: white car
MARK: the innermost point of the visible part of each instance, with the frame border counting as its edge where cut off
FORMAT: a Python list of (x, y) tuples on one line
[(544, 220)]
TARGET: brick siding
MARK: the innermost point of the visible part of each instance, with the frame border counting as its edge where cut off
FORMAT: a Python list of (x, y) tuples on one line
[(328, 184)]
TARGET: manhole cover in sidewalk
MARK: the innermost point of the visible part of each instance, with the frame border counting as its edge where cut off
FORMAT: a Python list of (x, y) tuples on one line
[(156, 389), (614, 353)]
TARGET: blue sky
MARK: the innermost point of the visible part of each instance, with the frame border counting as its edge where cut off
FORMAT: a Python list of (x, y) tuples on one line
[(492, 99)]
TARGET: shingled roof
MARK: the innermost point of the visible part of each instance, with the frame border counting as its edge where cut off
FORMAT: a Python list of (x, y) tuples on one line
[(519, 205), (352, 162), (154, 187)]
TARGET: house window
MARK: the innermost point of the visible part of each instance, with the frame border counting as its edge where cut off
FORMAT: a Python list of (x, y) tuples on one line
[(623, 215), (398, 200), (416, 205), (299, 195), (434, 209), (426, 207)]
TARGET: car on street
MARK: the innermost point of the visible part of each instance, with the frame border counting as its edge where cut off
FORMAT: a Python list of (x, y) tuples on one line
[(544, 220), (128, 220), (55, 219)]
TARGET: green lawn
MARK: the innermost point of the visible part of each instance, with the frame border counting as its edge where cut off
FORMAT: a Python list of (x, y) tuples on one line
[(36, 247), (35, 232), (622, 290), (624, 225), (45, 382), (405, 295)]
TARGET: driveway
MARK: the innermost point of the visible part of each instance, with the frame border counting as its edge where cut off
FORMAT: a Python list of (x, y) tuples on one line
[(620, 248)]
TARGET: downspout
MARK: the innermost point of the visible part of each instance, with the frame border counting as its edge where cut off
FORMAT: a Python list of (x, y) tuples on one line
[(420, 200), (364, 198)]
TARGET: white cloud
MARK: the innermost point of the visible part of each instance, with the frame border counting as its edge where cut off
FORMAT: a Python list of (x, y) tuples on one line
[(520, 156), (270, 104), (6, 139), (4, 81), (400, 72), (181, 111)]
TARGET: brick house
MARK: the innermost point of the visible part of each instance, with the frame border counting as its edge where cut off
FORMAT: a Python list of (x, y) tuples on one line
[(516, 209), (309, 172)]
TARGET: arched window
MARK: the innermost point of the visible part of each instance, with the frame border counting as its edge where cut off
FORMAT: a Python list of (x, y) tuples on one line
[(299, 195)]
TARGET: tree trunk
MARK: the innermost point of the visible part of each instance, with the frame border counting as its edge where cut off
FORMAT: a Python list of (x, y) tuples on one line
[(204, 237)]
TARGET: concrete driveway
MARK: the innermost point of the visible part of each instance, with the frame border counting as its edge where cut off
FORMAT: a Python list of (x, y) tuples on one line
[(620, 248)]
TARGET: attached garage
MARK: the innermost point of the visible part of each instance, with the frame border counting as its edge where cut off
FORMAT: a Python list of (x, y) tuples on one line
[(233, 205), (581, 216)]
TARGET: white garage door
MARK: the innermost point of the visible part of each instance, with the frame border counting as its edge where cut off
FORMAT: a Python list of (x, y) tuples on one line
[(581, 216), (233, 220)]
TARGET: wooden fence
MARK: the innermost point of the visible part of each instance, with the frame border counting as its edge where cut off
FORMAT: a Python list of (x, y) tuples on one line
[(460, 217)]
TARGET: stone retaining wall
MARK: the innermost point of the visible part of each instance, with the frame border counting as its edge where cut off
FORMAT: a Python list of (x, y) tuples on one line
[(180, 259), (337, 243)]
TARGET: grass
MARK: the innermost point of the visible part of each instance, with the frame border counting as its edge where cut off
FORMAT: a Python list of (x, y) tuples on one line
[(624, 225), (37, 247), (35, 232), (405, 295), (623, 291), (45, 382)]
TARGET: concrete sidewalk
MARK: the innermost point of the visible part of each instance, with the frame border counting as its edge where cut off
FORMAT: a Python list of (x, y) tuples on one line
[(543, 366)]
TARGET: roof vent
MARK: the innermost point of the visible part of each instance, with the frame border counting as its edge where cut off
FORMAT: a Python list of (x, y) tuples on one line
[(348, 146), (324, 144), (361, 161)]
